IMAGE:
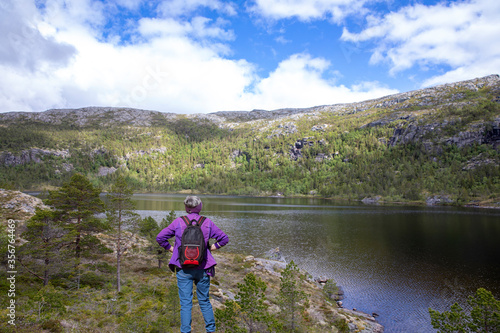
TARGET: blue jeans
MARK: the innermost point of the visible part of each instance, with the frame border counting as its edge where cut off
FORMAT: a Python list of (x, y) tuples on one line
[(201, 279)]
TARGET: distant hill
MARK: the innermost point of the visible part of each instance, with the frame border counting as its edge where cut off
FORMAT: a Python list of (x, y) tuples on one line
[(432, 145)]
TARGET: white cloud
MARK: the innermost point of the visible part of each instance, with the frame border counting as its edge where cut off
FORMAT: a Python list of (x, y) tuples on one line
[(298, 82), (307, 9), (23, 46), (177, 66), (461, 35)]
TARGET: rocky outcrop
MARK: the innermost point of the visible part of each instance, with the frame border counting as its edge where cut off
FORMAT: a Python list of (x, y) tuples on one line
[(275, 255), (161, 150), (284, 130), (29, 155), (104, 171), (368, 325), (438, 200), (18, 206), (475, 134), (372, 200), (478, 161), (101, 116)]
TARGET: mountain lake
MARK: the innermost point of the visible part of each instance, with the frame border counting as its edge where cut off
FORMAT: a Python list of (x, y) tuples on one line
[(395, 261)]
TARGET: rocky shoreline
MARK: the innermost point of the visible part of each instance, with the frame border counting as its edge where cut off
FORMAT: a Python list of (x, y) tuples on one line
[(322, 311)]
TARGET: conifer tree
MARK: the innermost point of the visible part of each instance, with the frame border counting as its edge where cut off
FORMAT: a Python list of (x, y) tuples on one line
[(149, 228), (290, 295), (227, 317), (484, 316), (120, 215), (250, 298), (44, 250), (76, 203)]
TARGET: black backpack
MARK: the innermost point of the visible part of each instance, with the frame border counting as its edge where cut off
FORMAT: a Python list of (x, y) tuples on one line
[(193, 246)]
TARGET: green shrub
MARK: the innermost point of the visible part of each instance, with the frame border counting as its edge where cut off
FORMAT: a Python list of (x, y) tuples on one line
[(52, 325), (93, 280)]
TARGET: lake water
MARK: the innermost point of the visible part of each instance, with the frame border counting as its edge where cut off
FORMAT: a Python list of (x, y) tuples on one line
[(395, 261)]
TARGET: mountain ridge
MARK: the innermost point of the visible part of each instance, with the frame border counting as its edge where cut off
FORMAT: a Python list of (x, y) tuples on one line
[(140, 117)]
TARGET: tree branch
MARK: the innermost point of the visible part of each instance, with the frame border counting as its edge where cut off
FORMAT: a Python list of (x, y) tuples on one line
[(30, 271)]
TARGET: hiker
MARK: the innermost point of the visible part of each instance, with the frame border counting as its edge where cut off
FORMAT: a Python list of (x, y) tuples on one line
[(199, 274)]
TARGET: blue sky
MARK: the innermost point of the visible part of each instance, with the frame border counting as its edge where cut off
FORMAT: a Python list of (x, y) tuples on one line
[(200, 56)]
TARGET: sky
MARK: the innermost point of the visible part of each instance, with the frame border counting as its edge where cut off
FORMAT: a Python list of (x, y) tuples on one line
[(202, 56)]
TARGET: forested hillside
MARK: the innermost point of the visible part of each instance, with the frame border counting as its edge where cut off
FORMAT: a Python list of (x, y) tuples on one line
[(436, 145)]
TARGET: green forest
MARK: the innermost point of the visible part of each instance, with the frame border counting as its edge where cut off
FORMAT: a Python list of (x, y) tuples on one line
[(347, 154)]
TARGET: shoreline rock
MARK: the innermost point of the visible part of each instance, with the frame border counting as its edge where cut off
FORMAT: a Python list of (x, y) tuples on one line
[(357, 321)]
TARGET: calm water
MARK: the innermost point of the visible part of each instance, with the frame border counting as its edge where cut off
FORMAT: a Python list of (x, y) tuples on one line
[(395, 261)]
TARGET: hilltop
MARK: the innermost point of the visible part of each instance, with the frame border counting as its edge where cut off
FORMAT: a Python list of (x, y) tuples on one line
[(446, 94), (433, 145)]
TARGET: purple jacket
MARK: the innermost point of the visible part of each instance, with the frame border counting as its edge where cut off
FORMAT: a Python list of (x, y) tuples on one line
[(176, 228)]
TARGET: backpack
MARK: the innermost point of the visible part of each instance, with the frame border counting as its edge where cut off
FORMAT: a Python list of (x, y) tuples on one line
[(193, 246)]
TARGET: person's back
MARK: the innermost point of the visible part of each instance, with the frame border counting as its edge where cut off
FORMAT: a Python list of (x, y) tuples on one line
[(199, 275)]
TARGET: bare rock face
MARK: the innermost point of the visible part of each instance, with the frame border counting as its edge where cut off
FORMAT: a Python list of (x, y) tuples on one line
[(104, 171), (103, 116), (478, 161), (485, 133), (29, 155), (438, 200), (18, 206)]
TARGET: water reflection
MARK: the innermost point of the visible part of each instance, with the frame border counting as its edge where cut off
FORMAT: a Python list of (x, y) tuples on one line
[(396, 261)]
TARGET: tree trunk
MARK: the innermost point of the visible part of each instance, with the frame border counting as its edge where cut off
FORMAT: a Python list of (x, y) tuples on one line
[(118, 283), (77, 241), (119, 251), (46, 273)]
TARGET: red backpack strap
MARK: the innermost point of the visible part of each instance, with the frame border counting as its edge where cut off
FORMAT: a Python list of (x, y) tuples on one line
[(186, 220), (201, 220)]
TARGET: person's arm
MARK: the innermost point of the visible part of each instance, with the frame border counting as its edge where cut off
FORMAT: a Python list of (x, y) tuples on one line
[(165, 235), (221, 238)]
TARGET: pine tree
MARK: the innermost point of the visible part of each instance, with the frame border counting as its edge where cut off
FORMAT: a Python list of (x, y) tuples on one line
[(484, 316), (120, 215), (44, 250), (76, 203), (227, 317), (149, 228), (250, 298), (290, 295)]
